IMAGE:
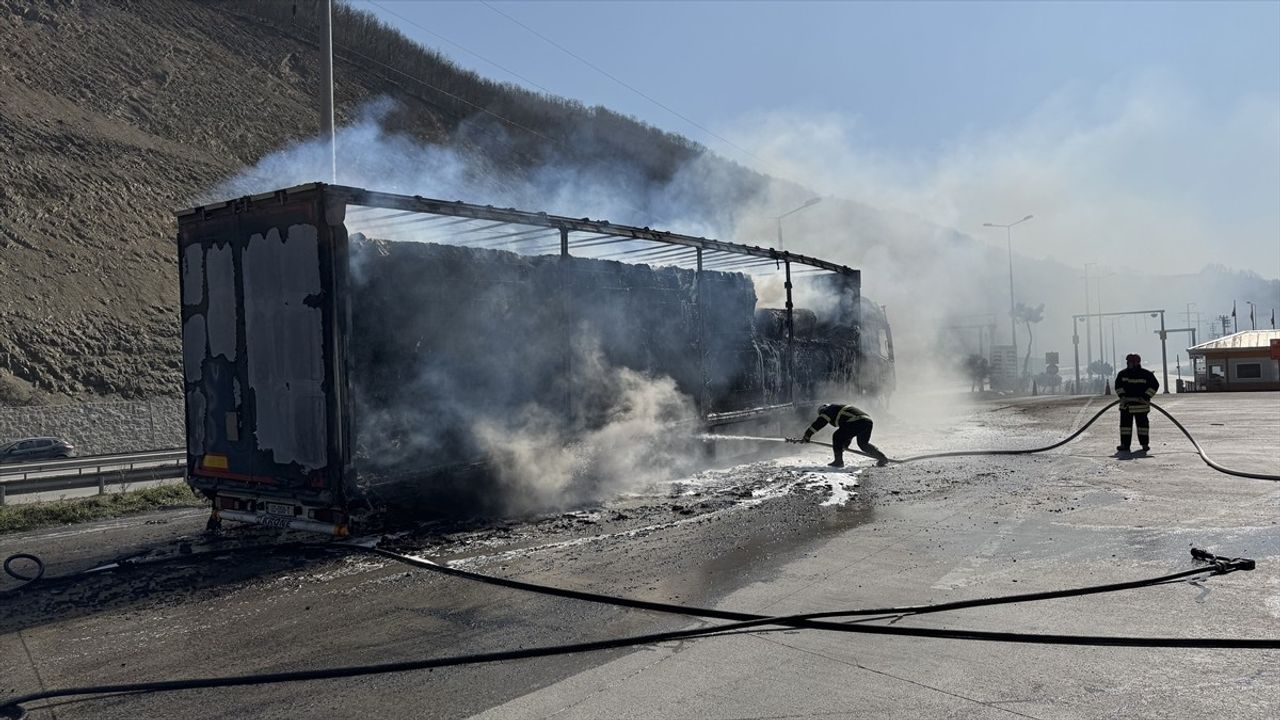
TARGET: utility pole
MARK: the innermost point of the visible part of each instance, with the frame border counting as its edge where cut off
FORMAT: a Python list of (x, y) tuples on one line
[(1088, 325), (326, 93), (1013, 319), (1075, 346), (1114, 361), (1224, 319), (1102, 341), (1164, 353), (1188, 315), (807, 203)]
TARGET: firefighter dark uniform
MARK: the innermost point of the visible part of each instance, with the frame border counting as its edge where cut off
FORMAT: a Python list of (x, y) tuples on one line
[(1135, 386), (849, 423)]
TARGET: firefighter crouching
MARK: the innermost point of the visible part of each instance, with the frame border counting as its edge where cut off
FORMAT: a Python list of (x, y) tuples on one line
[(849, 423), (1135, 386)]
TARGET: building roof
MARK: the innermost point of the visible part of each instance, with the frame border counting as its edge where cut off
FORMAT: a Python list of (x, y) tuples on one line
[(1243, 340)]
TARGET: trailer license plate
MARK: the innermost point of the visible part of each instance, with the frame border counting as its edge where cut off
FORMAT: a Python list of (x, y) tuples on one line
[(279, 508), (275, 521)]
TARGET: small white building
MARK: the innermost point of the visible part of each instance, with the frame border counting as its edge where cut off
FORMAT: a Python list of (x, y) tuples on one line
[(1004, 367), (1248, 360)]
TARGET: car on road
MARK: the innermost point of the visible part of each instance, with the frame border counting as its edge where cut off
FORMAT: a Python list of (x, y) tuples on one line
[(39, 448)]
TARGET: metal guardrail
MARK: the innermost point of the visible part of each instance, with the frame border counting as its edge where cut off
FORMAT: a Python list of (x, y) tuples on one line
[(95, 471)]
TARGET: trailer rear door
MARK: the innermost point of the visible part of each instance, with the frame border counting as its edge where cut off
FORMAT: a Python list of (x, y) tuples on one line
[(263, 313)]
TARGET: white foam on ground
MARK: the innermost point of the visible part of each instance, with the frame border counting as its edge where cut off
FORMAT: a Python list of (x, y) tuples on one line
[(753, 483), (841, 486), (757, 482)]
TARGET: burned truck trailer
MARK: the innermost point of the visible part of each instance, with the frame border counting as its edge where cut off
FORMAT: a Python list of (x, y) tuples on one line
[(337, 340)]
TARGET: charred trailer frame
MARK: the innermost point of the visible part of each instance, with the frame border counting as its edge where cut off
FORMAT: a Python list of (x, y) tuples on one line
[(267, 318), (264, 338)]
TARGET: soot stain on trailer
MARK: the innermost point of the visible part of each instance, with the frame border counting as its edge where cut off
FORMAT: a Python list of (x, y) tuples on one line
[(279, 273), (455, 348), (317, 365)]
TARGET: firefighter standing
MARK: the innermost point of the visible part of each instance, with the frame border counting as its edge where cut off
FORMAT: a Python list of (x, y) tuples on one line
[(849, 423), (1135, 386)]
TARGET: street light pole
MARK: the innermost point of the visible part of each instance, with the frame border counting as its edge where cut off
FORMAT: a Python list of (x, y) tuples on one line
[(1102, 340), (1013, 320), (327, 131), (1164, 352), (1075, 345), (807, 203), (1088, 325)]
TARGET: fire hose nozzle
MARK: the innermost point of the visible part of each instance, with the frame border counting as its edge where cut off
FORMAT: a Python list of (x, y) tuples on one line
[(1225, 564)]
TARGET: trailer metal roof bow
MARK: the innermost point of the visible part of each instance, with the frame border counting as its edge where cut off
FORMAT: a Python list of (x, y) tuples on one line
[(266, 325)]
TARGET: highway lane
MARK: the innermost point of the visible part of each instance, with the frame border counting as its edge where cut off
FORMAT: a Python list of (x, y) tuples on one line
[(755, 537)]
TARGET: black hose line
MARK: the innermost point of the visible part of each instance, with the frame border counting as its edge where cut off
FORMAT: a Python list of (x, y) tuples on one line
[(1027, 451), (23, 577), (1208, 461), (962, 453), (1219, 566), (740, 621), (614, 643), (130, 562)]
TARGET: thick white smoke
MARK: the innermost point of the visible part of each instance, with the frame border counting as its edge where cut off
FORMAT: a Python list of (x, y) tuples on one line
[(892, 220), (699, 198), (641, 424), (545, 465), (1140, 177)]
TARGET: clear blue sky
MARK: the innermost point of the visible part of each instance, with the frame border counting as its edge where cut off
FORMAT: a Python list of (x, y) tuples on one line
[(1175, 105)]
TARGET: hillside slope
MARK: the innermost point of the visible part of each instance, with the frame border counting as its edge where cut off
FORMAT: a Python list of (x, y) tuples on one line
[(114, 113)]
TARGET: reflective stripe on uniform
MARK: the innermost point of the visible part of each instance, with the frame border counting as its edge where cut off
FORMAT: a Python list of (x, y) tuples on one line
[(849, 412), (843, 413)]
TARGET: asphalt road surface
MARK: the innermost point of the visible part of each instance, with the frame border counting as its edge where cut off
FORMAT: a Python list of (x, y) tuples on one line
[(777, 536)]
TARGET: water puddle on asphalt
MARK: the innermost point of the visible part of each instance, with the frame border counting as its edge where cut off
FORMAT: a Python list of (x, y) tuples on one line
[(754, 483), (693, 499)]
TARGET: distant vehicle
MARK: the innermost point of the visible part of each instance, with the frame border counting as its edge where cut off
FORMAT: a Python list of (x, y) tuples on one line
[(41, 448)]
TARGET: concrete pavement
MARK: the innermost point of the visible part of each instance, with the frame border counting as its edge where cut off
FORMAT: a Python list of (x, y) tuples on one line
[(1053, 522), (755, 538)]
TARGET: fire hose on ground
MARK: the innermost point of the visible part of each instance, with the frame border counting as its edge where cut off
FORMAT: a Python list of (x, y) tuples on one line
[(1027, 451), (739, 622)]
